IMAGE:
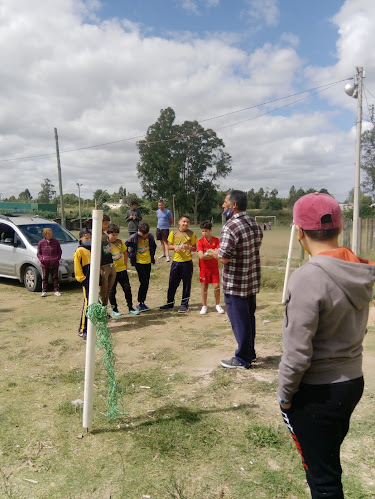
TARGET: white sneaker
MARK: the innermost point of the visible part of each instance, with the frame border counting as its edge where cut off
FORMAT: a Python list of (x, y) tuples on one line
[(219, 309), (57, 293), (43, 294), (204, 310), (168, 259), (161, 256)]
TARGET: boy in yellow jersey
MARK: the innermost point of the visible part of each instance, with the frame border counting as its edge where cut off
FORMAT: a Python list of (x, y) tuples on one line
[(120, 260), (183, 241), (82, 258), (141, 248)]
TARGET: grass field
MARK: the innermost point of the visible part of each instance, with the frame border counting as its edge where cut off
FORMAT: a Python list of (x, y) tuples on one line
[(192, 430)]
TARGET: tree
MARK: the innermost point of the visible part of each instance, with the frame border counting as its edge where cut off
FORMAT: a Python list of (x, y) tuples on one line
[(182, 160), (47, 193), (368, 159), (101, 197), (25, 196)]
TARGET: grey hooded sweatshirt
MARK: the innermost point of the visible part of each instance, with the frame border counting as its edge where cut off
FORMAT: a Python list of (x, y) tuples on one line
[(325, 322)]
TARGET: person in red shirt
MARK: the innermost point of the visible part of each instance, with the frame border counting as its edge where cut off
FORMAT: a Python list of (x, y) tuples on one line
[(208, 266)]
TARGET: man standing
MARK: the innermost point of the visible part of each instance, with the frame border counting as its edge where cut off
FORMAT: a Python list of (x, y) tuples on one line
[(165, 220), (240, 241), (133, 217)]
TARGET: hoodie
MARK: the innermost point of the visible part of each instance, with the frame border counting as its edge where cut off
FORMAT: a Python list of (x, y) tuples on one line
[(325, 321)]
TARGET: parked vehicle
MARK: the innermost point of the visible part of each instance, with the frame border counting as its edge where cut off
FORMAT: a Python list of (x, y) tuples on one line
[(19, 237)]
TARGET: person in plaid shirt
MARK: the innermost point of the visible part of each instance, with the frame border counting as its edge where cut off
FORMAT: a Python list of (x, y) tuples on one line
[(240, 241)]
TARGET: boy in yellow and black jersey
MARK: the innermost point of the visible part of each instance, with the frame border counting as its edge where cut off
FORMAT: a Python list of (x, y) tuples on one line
[(82, 258), (183, 241)]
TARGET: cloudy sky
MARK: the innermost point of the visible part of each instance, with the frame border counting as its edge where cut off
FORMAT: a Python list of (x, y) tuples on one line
[(101, 71)]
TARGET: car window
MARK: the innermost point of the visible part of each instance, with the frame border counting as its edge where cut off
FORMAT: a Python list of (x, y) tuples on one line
[(34, 233), (6, 232)]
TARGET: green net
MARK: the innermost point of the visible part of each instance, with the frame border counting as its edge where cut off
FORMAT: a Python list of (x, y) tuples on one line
[(97, 314)]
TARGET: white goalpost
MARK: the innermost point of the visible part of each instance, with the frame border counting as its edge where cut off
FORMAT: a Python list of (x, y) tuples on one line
[(266, 218)]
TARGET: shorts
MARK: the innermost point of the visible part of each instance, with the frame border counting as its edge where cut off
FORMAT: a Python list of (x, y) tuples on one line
[(209, 276), (162, 234)]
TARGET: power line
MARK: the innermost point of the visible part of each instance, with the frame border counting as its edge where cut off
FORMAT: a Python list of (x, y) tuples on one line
[(322, 87)]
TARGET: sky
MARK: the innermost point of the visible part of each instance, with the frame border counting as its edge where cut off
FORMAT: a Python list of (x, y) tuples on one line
[(100, 72)]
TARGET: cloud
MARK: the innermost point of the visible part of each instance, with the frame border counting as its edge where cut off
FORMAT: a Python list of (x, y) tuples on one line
[(290, 39), (190, 6), (104, 81), (262, 12)]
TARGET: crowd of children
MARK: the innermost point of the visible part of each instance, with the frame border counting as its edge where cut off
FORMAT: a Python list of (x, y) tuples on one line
[(140, 250)]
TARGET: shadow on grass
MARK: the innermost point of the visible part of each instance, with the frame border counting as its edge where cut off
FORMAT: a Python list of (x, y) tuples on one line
[(269, 362), (171, 413)]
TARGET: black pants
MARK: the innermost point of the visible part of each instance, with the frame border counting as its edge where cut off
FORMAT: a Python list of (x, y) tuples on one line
[(83, 322), (143, 271), (123, 279), (54, 271), (180, 271), (318, 421)]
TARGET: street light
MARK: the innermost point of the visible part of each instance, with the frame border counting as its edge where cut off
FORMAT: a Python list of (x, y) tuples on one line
[(355, 90), (79, 205)]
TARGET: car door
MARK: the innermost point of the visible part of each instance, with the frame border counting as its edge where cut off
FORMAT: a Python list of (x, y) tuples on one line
[(8, 251)]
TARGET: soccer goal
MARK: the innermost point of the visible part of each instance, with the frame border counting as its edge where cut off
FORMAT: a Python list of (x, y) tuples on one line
[(266, 219)]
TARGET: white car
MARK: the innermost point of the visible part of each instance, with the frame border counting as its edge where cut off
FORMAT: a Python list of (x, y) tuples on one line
[(19, 237)]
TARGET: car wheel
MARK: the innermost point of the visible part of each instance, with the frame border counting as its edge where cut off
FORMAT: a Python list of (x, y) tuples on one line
[(32, 279)]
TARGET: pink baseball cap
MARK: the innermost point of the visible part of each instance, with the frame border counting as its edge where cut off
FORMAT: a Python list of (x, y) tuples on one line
[(309, 210)]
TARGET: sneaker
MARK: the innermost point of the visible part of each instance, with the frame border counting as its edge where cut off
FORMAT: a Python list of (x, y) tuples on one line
[(116, 314), (233, 363), (183, 309), (167, 306), (43, 294), (133, 312), (83, 336), (57, 293), (204, 310), (219, 309), (168, 259), (144, 307), (161, 256)]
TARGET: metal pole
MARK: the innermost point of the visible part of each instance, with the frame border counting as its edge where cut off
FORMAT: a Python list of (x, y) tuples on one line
[(79, 206), (356, 243), (60, 181)]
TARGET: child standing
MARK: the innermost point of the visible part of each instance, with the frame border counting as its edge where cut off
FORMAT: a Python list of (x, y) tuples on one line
[(183, 241), (107, 269), (320, 373), (120, 260), (141, 248), (208, 266), (82, 258)]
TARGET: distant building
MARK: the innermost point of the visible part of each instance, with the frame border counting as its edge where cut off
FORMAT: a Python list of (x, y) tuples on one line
[(115, 206), (346, 206)]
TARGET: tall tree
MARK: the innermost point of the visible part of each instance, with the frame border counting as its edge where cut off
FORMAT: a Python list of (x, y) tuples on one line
[(47, 193), (368, 159), (181, 160), (25, 196)]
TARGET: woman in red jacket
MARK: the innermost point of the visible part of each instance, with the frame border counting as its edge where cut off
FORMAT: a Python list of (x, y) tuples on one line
[(49, 254)]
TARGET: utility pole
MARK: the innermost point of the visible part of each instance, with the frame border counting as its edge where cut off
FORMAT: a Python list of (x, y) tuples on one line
[(79, 206), (356, 243), (60, 181), (174, 210)]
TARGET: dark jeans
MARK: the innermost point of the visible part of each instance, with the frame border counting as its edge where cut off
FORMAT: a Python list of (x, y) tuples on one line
[(123, 279), (318, 421), (180, 271), (55, 276), (143, 271), (241, 313)]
